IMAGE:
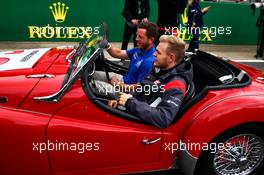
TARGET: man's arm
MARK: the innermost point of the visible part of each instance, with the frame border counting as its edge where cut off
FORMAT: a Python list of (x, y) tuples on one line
[(205, 10), (117, 53), (161, 115)]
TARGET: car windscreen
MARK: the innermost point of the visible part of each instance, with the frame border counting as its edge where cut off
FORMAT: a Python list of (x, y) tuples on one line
[(83, 54)]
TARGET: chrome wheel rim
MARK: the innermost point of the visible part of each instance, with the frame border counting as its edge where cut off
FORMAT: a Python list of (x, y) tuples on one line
[(241, 155)]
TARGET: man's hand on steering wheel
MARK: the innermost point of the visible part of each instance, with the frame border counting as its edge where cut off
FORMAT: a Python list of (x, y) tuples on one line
[(112, 103), (114, 81), (104, 44)]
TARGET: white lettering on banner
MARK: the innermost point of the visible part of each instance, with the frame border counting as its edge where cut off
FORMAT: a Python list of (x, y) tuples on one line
[(21, 60)]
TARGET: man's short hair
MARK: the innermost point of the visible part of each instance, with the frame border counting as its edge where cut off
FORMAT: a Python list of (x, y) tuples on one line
[(175, 46), (151, 29)]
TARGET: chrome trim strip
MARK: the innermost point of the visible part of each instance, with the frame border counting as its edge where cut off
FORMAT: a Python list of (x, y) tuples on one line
[(149, 142), (41, 76)]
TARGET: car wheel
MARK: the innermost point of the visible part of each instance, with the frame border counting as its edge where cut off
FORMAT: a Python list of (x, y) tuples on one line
[(242, 153)]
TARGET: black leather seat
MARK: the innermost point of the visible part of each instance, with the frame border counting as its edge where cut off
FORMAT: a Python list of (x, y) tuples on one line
[(190, 92)]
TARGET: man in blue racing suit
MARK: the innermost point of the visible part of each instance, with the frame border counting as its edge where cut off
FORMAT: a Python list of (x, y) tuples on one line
[(167, 85)]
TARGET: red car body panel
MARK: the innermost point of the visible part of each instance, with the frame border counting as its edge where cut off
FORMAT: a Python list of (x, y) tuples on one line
[(16, 85), (115, 143), (119, 145), (245, 105), (23, 129), (207, 122)]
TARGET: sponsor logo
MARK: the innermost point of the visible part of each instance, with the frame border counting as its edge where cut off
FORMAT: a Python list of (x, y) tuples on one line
[(59, 12), (183, 31), (207, 34), (27, 57), (184, 17)]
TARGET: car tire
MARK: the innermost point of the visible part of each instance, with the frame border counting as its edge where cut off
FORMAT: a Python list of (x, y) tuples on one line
[(243, 153)]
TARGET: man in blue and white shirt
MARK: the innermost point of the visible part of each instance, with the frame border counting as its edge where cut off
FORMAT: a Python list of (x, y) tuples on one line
[(141, 59)]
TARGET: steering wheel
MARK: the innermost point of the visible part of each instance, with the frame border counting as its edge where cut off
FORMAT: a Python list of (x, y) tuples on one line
[(90, 70), (103, 44), (104, 65)]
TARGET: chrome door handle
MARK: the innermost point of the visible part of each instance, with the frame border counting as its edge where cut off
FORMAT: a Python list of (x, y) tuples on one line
[(148, 142)]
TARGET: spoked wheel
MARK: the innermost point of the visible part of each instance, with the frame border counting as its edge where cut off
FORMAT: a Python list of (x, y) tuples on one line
[(242, 155)]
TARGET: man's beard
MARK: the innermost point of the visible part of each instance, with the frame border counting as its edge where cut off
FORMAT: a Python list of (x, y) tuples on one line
[(144, 47), (159, 66)]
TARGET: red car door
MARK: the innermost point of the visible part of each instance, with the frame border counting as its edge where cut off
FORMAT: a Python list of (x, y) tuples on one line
[(21, 132), (84, 139)]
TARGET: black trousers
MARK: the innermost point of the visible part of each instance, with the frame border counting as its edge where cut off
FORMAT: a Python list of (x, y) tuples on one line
[(261, 44), (160, 33), (162, 28), (260, 25), (128, 32)]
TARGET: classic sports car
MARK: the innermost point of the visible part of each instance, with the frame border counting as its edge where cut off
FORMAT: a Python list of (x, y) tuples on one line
[(54, 121)]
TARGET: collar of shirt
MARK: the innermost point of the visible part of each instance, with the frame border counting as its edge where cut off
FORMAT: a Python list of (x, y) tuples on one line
[(147, 53)]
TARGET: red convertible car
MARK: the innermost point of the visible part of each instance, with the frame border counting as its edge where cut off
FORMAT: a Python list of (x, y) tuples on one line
[(53, 121)]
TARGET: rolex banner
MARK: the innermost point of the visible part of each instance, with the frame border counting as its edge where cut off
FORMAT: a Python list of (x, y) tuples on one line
[(76, 20)]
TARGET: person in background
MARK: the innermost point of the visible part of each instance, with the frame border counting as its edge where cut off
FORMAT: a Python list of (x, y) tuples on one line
[(260, 25), (168, 21), (134, 12), (195, 23)]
